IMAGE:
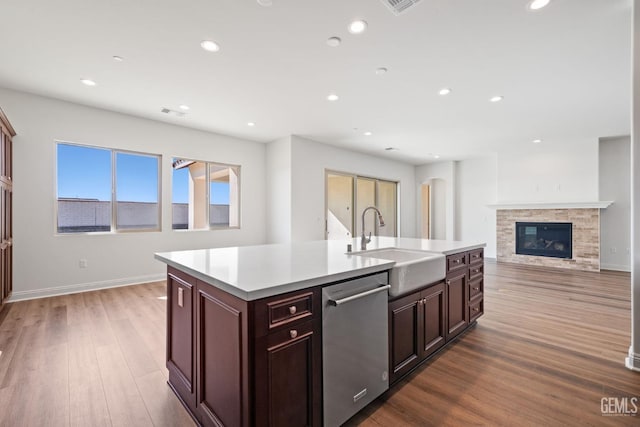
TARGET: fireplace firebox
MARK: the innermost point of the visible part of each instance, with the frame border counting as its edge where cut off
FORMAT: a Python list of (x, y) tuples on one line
[(550, 239)]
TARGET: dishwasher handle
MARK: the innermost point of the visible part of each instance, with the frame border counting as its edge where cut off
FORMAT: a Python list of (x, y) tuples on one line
[(358, 296)]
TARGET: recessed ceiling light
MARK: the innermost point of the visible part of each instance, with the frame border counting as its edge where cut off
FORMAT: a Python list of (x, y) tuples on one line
[(332, 97), (357, 26), (251, 124), (445, 91), (184, 107), (265, 3), (88, 82), (210, 45), (334, 41), (537, 4), (117, 58), (381, 70), (436, 156), (497, 98), (391, 149), (367, 133), (537, 141)]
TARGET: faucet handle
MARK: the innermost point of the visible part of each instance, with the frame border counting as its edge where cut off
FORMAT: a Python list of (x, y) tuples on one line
[(369, 238)]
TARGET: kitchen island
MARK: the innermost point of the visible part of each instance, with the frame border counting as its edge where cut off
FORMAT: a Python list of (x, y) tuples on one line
[(244, 324)]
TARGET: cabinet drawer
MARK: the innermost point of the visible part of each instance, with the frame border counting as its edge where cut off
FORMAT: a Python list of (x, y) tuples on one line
[(476, 255), (476, 288), (476, 271), (476, 309), (283, 310), (456, 261)]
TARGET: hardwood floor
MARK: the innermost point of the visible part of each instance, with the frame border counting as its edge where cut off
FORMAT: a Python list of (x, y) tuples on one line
[(91, 359), (550, 346)]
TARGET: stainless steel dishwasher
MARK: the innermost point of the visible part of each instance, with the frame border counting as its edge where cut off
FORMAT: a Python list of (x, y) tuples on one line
[(355, 345)]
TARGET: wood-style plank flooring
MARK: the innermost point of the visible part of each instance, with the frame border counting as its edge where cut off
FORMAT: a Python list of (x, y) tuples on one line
[(90, 359), (551, 344)]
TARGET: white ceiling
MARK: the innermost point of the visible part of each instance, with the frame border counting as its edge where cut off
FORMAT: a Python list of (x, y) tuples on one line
[(564, 71)]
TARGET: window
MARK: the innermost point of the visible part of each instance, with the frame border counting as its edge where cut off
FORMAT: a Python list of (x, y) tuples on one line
[(104, 190), (347, 197), (205, 195)]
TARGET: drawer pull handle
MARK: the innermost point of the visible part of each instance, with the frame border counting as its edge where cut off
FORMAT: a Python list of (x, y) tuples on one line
[(476, 309), (180, 297), (476, 270), (448, 282), (293, 333), (476, 289), (458, 261), (476, 256), (293, 309)]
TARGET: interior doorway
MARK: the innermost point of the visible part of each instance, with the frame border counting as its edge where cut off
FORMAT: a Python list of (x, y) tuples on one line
[(433, 201)]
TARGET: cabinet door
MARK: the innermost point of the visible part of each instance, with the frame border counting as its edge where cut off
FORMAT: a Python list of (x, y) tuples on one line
[(457, 315), (404, 333), (180, 355), (434, 318), (288, 376), (222, 383)]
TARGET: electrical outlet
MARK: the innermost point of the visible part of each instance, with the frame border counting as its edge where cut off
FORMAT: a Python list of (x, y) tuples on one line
[(83, 263)]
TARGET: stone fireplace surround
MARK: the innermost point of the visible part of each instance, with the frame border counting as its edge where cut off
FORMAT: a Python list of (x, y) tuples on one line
[(586, 233)]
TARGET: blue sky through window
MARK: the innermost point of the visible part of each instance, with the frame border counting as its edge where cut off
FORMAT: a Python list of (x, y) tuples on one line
[(84, 172), (136, 178)]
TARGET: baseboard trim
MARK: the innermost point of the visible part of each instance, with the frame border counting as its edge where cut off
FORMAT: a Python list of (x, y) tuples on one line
[(83, 287), (615, 267), (632, 361)]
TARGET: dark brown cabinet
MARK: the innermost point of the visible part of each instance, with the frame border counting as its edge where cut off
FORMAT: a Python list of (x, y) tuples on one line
[(180, 334), (416, 328), (222, 358), (6, 202), (288, 359), (288, 391), (240, 363), (457, 319), (423, 322), (476, 285)]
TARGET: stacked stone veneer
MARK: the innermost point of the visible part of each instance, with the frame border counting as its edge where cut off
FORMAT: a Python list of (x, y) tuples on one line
[(586, 236)]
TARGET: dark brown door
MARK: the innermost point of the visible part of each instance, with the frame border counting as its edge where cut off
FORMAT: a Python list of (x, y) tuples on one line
[(434, 318), (288, 375), (404, 332), (180, 335), (457, 316)]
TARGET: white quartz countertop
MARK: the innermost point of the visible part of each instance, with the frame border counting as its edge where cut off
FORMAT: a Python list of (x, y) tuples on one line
[(254, 272)]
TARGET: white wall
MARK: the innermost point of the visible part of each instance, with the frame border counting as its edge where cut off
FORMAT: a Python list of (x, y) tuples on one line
[(447, 172), (310, 159), (279, 190), (477, 187), (549, 172), (615, 221), (438, 209), (45, 263)]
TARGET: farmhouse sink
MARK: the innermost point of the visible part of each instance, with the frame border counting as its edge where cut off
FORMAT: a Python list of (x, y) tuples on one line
[(412, 270)]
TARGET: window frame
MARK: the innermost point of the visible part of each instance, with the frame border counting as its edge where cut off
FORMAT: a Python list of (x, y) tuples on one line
[(113, 193), (208, 195)]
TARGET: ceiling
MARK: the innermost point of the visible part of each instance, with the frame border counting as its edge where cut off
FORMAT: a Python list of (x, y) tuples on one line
[(564, 71)]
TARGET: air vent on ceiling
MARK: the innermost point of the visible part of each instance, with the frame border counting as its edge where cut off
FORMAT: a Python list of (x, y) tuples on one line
[(172, 112), (400, 6)]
